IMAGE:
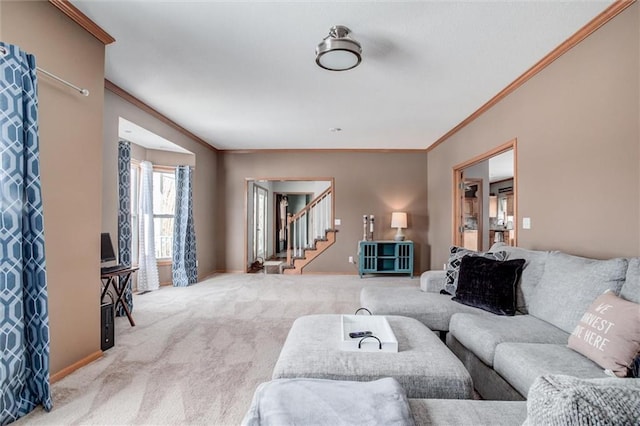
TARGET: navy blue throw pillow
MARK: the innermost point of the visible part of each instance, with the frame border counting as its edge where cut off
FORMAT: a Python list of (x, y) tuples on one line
[(489, 284)]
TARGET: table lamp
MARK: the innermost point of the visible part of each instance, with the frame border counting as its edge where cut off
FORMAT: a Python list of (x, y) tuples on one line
[(399, 220)]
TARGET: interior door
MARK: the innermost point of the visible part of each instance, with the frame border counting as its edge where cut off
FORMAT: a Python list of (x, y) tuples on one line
[(260, 222)]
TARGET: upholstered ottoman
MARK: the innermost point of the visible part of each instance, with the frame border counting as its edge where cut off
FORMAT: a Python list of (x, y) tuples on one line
[(423, 365)]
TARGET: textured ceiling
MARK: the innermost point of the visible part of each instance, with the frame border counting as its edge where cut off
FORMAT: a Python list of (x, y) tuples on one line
[(242, 75)]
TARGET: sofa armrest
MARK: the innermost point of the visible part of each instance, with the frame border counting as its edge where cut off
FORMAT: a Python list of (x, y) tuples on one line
[(433, 281)]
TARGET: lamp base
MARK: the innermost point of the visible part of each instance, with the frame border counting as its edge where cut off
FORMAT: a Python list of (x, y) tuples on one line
[(399, 238)]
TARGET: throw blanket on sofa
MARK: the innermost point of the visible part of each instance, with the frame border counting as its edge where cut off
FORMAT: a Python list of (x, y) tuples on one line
[(565, 400), (328, 402)]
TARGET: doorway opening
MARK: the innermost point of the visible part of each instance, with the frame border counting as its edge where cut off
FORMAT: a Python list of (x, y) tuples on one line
[(282, 217), (485, 199)]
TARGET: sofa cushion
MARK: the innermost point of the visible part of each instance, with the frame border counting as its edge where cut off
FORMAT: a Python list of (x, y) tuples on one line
[(438, 412), (531, 274), (432, 309), (521, 363), (433, 281), (570, 284), (481, 335), (609, 333), (631, 288), (489, 284), (453, 265), (565, 400)]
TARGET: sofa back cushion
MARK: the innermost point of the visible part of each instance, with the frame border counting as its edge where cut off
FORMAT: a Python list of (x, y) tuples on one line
[(631, 288), (570, 284), (531, 274)]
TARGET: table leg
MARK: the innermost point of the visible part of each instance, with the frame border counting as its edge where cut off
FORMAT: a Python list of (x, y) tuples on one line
[(121, 288)]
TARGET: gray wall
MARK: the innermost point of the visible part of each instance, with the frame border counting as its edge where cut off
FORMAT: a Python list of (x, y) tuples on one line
[(578, 155), (70, 162), (365, 183), (205, 192)]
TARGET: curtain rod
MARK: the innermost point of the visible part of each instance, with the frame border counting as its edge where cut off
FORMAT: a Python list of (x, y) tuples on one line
[(84, 92)]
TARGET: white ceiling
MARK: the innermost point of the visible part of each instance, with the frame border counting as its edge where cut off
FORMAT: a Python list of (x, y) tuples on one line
[(501, 166), (242, 75)]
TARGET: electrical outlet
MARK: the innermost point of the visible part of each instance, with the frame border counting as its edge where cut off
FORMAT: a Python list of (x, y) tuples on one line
[(526, 223), (351, 259)]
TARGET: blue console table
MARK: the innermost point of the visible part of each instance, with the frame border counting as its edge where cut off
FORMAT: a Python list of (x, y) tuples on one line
[(386, 257)]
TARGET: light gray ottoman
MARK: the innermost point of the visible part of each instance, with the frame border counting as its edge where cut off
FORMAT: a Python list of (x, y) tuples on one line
[(423, 365)]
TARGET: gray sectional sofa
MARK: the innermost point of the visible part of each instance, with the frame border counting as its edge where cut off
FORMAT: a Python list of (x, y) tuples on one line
[(505, 354)]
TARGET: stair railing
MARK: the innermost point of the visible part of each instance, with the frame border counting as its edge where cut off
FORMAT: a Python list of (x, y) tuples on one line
[(309, 224)]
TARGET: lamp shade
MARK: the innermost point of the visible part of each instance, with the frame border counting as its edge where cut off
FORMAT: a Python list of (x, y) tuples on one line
[(398, 220)]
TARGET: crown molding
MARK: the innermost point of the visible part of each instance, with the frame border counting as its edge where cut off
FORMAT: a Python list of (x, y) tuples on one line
[(117, 90), (318, 150), (608, 14), (81, 19)]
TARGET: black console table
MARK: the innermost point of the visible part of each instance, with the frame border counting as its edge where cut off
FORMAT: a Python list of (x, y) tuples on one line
[(119, 281)]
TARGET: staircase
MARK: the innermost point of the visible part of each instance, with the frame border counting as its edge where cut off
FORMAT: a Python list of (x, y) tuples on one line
[(310, 232)]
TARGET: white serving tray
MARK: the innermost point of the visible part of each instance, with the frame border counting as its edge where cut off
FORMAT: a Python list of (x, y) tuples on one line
[(377, 324)]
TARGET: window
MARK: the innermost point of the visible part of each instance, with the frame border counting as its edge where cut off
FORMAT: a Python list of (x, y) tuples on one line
[(164, 199), (164, 205)]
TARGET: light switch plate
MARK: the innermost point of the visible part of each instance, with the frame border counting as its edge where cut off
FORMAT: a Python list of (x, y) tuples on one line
[(526, 223), (337, 222)]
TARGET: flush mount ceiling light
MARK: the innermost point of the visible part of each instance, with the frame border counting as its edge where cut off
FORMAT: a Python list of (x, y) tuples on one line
[(338, 52)]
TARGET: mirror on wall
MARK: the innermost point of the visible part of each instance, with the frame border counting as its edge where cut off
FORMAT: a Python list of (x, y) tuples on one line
[(485, 207), (269, 202)]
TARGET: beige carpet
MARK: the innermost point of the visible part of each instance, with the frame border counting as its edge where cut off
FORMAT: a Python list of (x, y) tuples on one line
[(197, 354)]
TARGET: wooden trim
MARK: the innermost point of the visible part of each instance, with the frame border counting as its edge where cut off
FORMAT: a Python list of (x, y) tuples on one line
[(485, 156), (151, 111), (516, 193), (246, 225), (608, 14), (164, 262), (83, 20), (457, 178), (230, 271), (164, 169), (207, 276), (75, 366), (331, 273), (342, 151), (288, 179)]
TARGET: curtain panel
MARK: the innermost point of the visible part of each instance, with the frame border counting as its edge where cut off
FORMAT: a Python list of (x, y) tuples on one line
[(124, 215), (24, 317), (184, 270), (148, 273)]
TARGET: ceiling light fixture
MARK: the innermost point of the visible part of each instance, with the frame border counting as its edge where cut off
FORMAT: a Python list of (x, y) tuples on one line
[(338, 52)]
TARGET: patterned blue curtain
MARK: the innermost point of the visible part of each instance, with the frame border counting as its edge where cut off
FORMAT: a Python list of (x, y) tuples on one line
[(184, 269), (24, 317), (124, 215)]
